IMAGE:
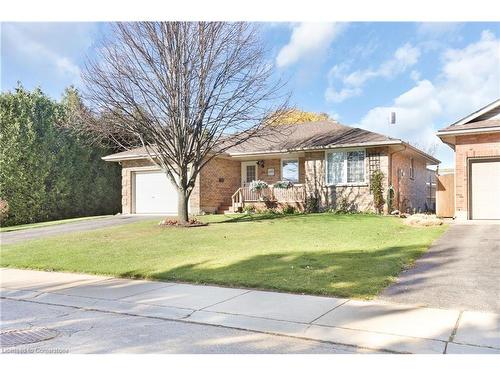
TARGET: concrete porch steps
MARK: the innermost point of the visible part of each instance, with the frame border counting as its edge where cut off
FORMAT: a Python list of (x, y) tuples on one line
[(226, 209)]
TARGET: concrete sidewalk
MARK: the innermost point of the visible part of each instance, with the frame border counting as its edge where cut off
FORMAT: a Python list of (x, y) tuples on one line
[(372, 325)]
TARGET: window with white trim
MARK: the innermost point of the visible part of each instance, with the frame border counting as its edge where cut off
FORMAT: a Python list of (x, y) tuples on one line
[(290, 170), (345, 167)]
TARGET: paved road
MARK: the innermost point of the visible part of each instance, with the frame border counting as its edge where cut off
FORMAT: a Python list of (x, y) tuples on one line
[(461, 271), (78, 226), (83, 331)]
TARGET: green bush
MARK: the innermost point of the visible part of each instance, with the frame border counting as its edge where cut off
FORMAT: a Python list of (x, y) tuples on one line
[(344, 206), (288, 209), (377, 189), (250, 208), (390, 198), (311, 204), (49, 171)]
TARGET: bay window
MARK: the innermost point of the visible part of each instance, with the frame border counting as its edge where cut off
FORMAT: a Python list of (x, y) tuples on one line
[(345, 167)]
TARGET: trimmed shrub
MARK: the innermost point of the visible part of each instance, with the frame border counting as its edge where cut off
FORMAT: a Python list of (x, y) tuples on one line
[(377, 189)]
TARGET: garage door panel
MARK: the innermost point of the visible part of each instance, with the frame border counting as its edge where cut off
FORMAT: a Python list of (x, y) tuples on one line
[(154, 194), (485, 189)]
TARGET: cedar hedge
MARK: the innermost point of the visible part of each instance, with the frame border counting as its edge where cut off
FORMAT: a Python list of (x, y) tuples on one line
[(49, 171)]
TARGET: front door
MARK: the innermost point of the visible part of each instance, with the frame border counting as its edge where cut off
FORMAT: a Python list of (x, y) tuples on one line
[(248, 172)]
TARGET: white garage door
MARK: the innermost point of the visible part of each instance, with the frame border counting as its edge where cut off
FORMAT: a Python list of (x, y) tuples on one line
[(485, 189), (154, 194)]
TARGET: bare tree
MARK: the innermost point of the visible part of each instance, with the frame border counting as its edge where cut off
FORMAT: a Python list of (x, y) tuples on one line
[(185, 91), (429, 148)]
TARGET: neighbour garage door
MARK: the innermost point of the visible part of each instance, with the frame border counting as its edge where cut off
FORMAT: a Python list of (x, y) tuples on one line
[(154, 194), (485, 189)]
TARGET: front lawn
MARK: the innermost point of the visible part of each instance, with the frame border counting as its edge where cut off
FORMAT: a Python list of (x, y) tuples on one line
[(340, 255)]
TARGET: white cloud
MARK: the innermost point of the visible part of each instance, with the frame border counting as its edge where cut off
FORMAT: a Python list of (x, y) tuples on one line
[(469, 78), (332, 95), (306, 40), (404, 57), (409, 114), (48, 49)]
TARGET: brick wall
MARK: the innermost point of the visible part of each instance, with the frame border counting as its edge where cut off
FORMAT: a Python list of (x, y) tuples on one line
[(410, 193), (302, 170), (262, 171), (470, 146), (220, 178), (358, 196), (217, 182), (314, 165)]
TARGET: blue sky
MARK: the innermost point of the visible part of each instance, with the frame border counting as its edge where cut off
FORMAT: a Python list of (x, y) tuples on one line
[(430, 74)]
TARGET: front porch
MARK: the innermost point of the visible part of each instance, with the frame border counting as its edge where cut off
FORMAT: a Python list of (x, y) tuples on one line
[(267, 198), (271, 170)]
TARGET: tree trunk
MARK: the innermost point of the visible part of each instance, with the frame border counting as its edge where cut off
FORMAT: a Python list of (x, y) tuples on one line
[(182, 213)]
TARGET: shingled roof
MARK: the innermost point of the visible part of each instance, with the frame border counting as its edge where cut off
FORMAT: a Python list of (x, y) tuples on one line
[(486, 117), (473, 125), (309, 136)]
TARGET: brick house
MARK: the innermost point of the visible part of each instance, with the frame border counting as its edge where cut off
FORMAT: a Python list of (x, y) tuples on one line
[(322, 159), (476, 141)]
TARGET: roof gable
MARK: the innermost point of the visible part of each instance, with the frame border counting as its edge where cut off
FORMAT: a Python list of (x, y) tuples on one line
[(486, 117)]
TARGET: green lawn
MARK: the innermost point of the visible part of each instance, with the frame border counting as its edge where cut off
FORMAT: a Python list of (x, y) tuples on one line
[(340, 255), (48, 223)]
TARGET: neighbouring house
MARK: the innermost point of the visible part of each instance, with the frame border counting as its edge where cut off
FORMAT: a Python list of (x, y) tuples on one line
[(324, 160), (474, 193)]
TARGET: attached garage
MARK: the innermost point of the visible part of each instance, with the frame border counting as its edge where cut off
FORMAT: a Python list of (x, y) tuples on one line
[(476, 142), (484, 179), (153, 193)]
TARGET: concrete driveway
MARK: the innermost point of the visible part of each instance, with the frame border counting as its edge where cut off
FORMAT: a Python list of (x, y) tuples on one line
[(78, 226), (460, 271)]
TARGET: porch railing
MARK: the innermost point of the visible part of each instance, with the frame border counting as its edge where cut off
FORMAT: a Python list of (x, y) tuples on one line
[(280, 195)]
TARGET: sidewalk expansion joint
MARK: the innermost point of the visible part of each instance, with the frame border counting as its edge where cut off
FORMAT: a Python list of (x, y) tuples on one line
[(228, 299), (455, 328), (329, 311), (147, 291)]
